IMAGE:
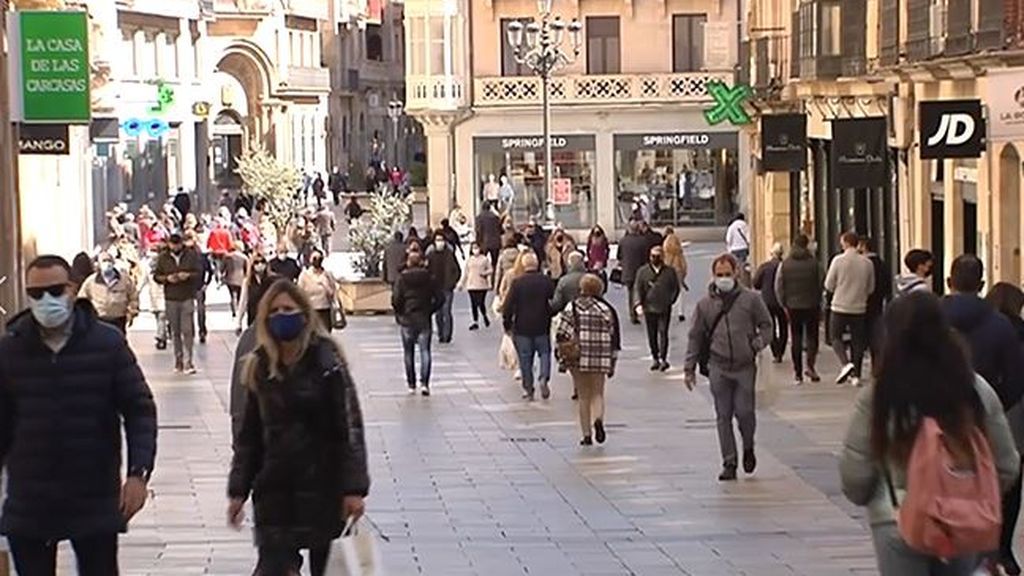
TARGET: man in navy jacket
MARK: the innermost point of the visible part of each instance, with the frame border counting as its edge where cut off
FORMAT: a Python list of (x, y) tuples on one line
[(67, 382)]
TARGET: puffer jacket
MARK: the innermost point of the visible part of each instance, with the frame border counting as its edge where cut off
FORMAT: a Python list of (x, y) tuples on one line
[(738, 338), (416, 297), (863, 479), (996, 353), (300, 449), (798, 281), (444, 267), (60, 427)]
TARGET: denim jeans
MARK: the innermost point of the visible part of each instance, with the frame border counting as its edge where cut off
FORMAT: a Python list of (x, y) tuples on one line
[(895, 558), (526, 347), (411, 336), (443, 317), (95, 555)]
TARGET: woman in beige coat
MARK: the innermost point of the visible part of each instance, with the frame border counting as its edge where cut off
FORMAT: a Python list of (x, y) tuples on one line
[(675, 259)]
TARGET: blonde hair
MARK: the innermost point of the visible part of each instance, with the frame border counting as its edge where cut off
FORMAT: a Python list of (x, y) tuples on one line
[(266, 345), (591, 285)]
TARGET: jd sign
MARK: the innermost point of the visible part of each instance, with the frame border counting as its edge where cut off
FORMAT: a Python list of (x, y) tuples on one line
[(728, 104)]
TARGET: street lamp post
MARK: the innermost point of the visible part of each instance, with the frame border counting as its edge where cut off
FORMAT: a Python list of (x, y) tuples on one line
[(540, 50), (395, 110)]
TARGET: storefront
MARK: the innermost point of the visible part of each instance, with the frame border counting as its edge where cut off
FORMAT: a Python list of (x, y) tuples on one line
[(676, 179), (510, 170)]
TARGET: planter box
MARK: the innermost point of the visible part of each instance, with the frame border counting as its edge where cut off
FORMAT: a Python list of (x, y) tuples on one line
[(365, 296)]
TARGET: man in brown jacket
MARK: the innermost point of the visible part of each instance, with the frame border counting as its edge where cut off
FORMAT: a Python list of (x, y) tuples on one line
[(179, 271)]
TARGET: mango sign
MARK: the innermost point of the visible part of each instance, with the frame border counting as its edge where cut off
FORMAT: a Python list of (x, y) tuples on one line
[(54, 66)]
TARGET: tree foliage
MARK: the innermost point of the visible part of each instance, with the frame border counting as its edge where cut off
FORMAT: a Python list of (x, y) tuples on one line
[(272, 184), (371, 233)]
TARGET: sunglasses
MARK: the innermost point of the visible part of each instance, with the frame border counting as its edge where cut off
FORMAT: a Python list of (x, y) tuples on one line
[(54, 290)]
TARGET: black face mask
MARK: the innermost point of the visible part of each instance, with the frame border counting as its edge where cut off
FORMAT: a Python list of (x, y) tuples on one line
[(656, 260), (317, 263)]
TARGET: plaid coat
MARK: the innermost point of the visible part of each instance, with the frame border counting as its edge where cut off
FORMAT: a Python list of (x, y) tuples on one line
[(597, 325)]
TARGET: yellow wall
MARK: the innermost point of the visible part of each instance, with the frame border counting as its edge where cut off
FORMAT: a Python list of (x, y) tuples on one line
[(645, 30)]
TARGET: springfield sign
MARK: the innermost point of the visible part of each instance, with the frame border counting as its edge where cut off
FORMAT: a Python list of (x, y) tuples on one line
[(53, 67)]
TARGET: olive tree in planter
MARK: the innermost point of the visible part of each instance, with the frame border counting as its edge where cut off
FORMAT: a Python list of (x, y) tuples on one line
[(369, 237), (272, 184)]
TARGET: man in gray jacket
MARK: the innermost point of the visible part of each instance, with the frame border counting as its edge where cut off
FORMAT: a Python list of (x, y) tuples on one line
[(568, 288), (730, 328)]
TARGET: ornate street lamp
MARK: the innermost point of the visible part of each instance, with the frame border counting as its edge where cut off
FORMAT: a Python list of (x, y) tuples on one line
[(539, 47), (395, 110)]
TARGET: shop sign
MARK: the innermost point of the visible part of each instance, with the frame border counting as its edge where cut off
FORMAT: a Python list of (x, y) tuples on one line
[(54, 66), (859, 153), (951, 129), (1005, 104), (784, 142), (533, 143), (677, 140), (965, 174), (728, 103), (201, 109), (50, 139), (561, 191)]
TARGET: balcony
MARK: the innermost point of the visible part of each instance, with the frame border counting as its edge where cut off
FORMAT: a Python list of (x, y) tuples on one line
[(306, 79), (434, 93), (594, 89)]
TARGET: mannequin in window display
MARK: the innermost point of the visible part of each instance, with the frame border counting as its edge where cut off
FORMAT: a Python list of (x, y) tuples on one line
[(491, 190), (507, 194)]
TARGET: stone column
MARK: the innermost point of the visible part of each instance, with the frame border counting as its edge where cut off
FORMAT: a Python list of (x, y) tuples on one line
[(439, 168), (10, 223)]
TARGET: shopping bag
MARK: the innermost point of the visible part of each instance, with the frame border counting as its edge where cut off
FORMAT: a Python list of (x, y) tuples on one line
[(508, 359), (355, 553)]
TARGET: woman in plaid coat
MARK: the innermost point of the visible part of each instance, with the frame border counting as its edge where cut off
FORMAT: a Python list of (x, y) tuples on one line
[(593, 325)]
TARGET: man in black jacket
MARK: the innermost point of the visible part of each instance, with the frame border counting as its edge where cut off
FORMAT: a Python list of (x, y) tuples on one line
[(488, 232), (67, 382), (179, 271), (657, 288), (634, 249), (415, 299), (527, 316), (764, 282), (878, 298), (445, 269)]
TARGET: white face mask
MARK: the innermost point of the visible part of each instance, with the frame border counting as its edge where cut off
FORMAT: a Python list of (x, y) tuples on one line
[(51, 311), (439, 244), (725, 283)]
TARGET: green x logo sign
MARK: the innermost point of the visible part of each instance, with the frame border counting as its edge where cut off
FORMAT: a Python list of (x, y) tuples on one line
[(728, 104)]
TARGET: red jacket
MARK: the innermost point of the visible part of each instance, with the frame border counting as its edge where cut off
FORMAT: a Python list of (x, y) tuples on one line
[(220, 241)]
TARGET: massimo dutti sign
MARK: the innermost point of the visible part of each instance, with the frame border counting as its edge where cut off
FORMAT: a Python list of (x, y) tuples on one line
[(51, 139), (859, 153), (783, 142)]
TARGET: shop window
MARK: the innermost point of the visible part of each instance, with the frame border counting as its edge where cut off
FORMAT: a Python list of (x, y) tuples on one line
[(603, 45), (676, 187), (374, 43), (688, 42), (519, 178), (509, 66)]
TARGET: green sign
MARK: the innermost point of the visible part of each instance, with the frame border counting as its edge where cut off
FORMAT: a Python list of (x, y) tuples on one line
[(55, 66), (728, 104)]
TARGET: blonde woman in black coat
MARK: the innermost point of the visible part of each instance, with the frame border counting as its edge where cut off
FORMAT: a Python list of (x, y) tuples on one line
[(300, 451)]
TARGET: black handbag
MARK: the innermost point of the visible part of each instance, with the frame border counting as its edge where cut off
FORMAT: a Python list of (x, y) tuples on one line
[(616, 276)]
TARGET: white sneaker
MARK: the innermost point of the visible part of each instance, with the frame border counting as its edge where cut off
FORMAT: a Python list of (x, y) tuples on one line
[(856, 382), (519, 376), (412, 390), (845, 374)]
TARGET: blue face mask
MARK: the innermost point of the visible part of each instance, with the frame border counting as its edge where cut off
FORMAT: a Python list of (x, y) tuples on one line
[(51, 311), (286, 326)]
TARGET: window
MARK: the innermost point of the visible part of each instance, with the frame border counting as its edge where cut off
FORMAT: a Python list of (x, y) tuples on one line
[(688, 42), (509, 66), (131, 62), (807, 30), (153, 54), (829, 28), (171, 51), (603, 45), (374, 43), (417, 46), (437, 34)]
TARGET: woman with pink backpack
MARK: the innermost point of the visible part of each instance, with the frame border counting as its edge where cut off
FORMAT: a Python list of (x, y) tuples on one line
[(928, 450)]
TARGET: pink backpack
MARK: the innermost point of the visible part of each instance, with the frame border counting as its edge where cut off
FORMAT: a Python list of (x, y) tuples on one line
[(949, 513)]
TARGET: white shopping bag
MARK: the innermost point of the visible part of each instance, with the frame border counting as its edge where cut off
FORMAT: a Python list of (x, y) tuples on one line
[(355, 553)]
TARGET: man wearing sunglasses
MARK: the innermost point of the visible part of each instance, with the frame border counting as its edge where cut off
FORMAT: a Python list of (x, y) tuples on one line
[(67, 381)]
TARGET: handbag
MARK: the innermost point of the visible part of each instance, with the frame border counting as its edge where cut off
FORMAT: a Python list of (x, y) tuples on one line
[(704, 352), (616, 276), (569, 351), (355, 553), (339, 318)]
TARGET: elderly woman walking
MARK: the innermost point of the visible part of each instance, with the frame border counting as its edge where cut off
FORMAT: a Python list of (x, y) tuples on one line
[(588, 339)]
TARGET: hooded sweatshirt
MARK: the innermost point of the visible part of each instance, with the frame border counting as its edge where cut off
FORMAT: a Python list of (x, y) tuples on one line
[(995, 350), (907, 283)]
